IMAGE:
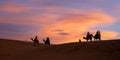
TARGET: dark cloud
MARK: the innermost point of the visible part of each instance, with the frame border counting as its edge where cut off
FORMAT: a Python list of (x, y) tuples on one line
[(15, 28), (64, 33), (57, 30), (65, 3)]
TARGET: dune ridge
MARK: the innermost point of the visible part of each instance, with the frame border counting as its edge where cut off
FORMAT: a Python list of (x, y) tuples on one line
[(20, 50)]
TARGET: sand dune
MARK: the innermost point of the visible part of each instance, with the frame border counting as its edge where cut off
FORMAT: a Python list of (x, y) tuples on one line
[(18, 50)]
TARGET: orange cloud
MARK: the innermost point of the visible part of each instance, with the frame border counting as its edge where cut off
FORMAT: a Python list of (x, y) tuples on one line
[(109, 34), (76, 25)]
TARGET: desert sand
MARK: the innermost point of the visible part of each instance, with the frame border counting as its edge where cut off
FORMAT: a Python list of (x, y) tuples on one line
[(19, 50)]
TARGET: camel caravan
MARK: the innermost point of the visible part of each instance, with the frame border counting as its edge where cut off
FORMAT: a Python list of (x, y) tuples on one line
[(89, 36)]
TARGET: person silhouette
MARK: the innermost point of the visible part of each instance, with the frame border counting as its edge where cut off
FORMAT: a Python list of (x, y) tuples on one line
[(47, 41), (35, 40), (88, 35)]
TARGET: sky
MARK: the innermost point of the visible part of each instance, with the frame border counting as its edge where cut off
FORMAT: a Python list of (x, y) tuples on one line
[(63, 21)]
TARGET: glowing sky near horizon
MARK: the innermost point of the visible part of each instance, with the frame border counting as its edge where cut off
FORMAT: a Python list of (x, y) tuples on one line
[(61, 20)]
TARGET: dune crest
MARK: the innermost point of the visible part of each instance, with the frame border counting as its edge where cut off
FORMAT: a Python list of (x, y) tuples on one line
[(18, 50)]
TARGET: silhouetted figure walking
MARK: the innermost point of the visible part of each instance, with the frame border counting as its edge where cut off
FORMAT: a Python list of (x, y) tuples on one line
[(88, 37), (47, 41), (35, 40)]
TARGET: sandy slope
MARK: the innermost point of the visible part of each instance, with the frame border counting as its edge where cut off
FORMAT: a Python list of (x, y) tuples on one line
[(16, 50)]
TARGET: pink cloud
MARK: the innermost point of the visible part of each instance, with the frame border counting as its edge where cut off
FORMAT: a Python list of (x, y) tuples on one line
[(14, 8), (18, 8)]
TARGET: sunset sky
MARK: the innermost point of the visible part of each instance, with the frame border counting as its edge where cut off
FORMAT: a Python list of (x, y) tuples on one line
[(62, 20)]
